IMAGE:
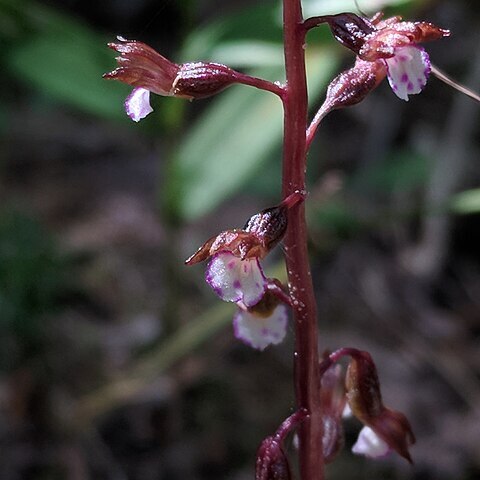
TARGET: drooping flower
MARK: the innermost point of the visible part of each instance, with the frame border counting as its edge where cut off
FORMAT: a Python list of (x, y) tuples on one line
[(385, 429), (142, 67), (365, 400)]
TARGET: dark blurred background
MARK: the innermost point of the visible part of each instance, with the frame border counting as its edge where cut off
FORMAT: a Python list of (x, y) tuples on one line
[(117, 362)]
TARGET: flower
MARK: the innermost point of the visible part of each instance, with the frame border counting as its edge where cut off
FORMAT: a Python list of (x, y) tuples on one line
[(137, 104), (384, 48), (236, 280), (261, 320), (148, 71), (235, 274), (408, 71)]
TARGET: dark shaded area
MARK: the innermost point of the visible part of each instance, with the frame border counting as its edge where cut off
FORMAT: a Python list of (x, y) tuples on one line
[(93, 287)]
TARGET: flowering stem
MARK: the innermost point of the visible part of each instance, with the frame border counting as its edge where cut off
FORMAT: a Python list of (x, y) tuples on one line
[(315, 123), (289, 424), (306, 360), (260, 83), (313, 22)]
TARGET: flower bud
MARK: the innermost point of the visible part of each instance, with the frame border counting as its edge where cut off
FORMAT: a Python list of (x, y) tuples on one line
[(200, 80), (353, 85), (350, 29), (272, 463), (269, 225)]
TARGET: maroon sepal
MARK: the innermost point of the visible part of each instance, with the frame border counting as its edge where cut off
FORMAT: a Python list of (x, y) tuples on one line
[(139, 65), (333, 401)]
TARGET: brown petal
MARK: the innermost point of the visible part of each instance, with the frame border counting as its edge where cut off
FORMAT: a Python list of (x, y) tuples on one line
[(141, 66), (239, 242), (363, 388), (394, 428)]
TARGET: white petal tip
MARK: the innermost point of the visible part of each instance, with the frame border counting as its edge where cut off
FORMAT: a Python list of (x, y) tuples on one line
[(236, 280), (370, 444), (260, 332), (408, 71), (137, 104)]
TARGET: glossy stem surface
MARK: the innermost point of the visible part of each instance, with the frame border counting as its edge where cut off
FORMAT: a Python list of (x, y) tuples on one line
[(306, 360)]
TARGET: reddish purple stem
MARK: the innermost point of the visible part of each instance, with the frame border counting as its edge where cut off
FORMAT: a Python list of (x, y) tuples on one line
[(289, 424), (306, 359), (260, 83)]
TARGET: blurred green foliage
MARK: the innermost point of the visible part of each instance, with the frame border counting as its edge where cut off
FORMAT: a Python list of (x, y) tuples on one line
[(232, 141), (59, 57), (34, 280), (467, 202)]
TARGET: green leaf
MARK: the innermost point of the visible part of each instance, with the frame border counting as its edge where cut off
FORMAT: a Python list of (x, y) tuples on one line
[(259, 23), (248, 54), (232, 141), (402, 171), (466, 202), (66, 60), (329, 7)]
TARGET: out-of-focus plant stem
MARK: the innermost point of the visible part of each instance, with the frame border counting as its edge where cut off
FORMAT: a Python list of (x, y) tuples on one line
[(306, 360)]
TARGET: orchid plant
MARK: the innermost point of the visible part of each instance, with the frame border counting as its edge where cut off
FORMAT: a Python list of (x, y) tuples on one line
[(325, 392)]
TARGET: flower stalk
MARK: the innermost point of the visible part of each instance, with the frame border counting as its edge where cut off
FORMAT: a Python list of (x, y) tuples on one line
[(384, 49), (306, 357)]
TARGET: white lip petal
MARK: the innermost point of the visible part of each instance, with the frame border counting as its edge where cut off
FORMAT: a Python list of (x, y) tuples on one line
[(137, 104), (260, 332), (408, 71), (236, 280), (370, 444)]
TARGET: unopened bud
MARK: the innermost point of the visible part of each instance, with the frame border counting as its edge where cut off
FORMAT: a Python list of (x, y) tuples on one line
[(272, 463), (270, 224), (199, 80), (350, 29), (353, 85)]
